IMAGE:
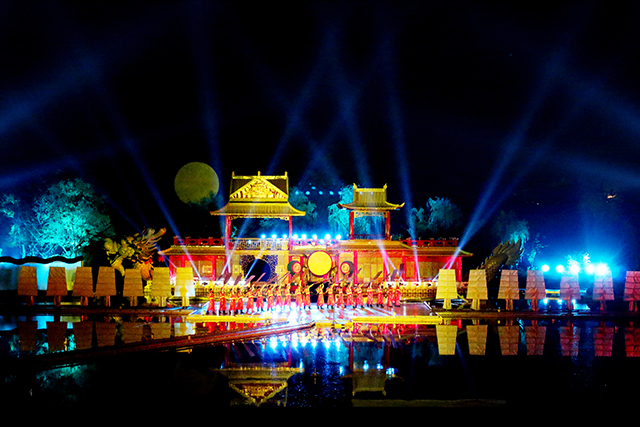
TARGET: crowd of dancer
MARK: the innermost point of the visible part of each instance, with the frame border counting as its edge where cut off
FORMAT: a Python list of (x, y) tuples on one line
[(256, 298)]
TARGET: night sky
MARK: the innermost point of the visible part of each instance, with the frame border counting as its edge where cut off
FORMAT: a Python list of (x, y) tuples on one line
[(517, 106)]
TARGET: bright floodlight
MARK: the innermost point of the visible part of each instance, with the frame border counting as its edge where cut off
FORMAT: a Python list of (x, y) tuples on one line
[(560, 269), (314, 237), (273, 236), (602, 269), (574, 269), (545, 268), (590, 269), (338, 237), (264, 236), (327, 237), (304, 237)]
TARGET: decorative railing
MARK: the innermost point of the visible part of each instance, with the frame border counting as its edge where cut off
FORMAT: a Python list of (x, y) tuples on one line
[(450, 242), (189, 241), (267, 243), (283, 243)]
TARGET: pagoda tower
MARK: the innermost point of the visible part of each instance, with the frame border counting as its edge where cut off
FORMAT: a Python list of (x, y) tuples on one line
[(257, 196), (370, 202)]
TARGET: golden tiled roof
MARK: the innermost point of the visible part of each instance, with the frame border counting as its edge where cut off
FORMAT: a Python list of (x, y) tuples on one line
[(370, 199), (259, 196)]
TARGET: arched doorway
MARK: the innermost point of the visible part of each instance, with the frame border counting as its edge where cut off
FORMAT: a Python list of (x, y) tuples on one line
[(256, 267)]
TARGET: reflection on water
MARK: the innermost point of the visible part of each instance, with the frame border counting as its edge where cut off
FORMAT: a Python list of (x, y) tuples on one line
[(517, 362)]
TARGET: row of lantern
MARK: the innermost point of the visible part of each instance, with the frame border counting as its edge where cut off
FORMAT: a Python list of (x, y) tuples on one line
[(89, 333)]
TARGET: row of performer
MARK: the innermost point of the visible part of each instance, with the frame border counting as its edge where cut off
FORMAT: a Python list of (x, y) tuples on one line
[(234, 299)]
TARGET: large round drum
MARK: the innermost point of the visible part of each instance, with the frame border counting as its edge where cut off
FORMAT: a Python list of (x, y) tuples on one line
[(294, 267), (346, 267), (320, 263)]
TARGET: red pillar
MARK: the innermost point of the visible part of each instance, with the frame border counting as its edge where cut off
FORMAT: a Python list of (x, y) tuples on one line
[(355, 263), (350, 225), (227, 232), (387, 225), (290, 232)]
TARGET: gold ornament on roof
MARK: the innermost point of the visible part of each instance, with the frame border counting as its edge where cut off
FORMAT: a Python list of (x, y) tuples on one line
[(258, 189)]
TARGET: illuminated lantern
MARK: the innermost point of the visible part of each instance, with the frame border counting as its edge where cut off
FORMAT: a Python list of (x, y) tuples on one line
[(57, 283), (534, 338), (184, 282), (132, 283), (508, 289), (569, 289), (446, 336), (83, 334), (83, 284), (131, 332), (603, 340), (106, 284), (447, 287), (294, 267), (477, 288), (106, 333), (569, 340), (28, 335), (631, 341), (477, 338), (320, 263), (535, 289), (346, 268), (603, 289), (161, 282), (632, 289), (28, 283), (509, 336), (56, 335)]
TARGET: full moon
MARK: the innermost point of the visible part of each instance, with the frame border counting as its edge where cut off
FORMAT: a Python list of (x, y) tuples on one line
[(196, 183)]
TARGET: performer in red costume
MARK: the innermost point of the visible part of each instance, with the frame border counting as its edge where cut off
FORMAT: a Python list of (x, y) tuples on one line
[(306, 292), (298, 295), (397, 295), (330, 297), (359, 297), (270, 299), (340, 297), (349, 295), (223, 301), (390, 295), (370, 295), (278, 296), (240, 299), (232, 301), (251, 293), (380, 295), (320, 292), (212, 302), (286, 297), (259, 298)]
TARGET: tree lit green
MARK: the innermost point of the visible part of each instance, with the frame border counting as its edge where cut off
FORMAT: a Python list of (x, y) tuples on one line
[(60, 221)]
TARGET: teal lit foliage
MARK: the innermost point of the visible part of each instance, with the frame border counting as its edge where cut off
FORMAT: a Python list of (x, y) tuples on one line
[(339, 218), (439, 218), (62, 220), (300, 201), (508, 227)]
